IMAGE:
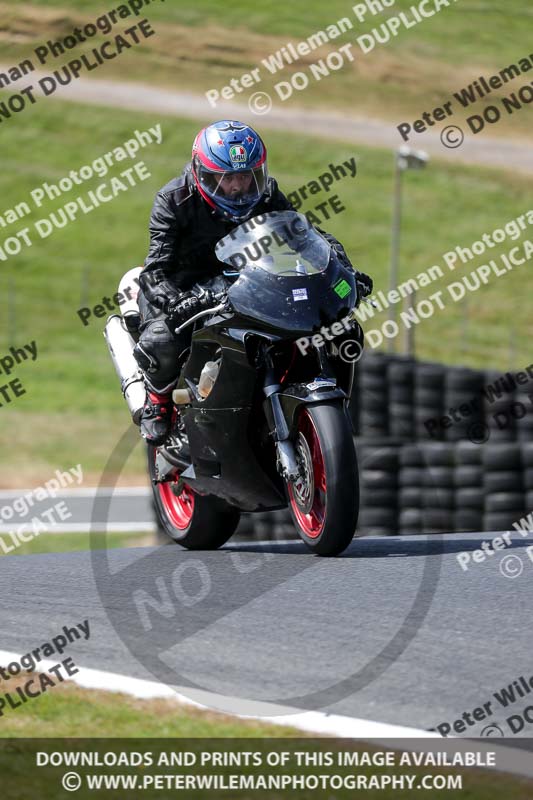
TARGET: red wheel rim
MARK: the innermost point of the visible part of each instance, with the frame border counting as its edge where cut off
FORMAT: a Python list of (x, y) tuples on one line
[(178, 507), (312, 521)]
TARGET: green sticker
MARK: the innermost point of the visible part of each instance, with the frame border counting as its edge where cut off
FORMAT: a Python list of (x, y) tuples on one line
[(342, 288)]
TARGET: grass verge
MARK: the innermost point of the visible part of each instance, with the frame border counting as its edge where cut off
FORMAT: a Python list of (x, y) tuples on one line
[(71, 542)]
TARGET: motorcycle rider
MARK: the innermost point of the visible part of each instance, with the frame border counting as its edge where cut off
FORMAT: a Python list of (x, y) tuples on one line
[(225, 184)]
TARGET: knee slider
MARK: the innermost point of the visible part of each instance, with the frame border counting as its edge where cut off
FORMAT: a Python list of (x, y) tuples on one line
[(157, 352), (146, 360)]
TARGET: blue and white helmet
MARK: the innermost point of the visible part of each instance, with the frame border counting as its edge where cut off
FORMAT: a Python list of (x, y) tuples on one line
[(230, 168)]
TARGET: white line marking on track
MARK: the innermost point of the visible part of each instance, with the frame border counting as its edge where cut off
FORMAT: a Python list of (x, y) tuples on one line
[(98, 527), (124, 491)]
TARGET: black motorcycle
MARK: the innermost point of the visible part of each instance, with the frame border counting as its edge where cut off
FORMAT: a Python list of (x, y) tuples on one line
[(260, 415)]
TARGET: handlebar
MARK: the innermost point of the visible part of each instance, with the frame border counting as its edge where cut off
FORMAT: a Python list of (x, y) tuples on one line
[(222, 306)]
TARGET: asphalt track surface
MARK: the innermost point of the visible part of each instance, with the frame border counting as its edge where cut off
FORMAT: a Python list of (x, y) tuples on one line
[(393, 631)]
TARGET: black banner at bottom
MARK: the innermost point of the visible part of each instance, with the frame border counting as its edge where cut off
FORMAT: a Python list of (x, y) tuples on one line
[(53, 769)]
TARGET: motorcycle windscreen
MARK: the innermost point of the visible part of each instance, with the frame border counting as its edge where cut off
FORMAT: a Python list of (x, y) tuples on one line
[(290, 304), (282, 243), (283, 264)]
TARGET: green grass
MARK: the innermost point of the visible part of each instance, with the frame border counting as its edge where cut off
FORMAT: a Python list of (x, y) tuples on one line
[(71, 542), (460, 27), (73, 403), (68, 710)]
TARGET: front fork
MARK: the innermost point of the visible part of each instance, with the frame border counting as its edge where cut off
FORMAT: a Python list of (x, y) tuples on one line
[(288, 464), (286, 455)]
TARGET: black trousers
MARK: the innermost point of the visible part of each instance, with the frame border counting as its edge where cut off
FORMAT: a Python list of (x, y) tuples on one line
[(159, 352)]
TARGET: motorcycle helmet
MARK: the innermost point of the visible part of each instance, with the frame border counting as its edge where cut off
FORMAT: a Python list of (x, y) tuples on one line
[(230, 168)]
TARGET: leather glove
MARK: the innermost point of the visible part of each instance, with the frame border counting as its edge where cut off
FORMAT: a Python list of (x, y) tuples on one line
[(179, 311), (365, 284), (182, 309)]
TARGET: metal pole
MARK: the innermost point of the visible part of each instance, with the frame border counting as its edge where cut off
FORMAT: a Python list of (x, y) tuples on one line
[(409, 340), (395, 240)]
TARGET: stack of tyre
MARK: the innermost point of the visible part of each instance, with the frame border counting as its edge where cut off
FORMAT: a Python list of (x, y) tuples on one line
[(428, 399), (373, 395), (469, 487), (378, 481), (427, 487), (503, 484), (498, 417), (401, 380), (523, 411), (463, 401), (527, 464)]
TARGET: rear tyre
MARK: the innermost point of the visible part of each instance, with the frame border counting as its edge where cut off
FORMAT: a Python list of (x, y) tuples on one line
[(197, 522), (324, 503)]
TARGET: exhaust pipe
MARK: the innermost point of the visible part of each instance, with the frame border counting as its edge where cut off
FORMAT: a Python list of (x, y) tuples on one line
[(121, 345)]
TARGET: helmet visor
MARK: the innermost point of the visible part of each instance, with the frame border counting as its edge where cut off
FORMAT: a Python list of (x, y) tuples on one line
[(236, 189)]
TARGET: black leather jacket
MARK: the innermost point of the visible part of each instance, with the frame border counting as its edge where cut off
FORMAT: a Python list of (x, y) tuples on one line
[(184, 230)]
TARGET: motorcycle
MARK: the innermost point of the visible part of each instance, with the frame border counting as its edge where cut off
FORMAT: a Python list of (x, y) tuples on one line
[(260, 419)]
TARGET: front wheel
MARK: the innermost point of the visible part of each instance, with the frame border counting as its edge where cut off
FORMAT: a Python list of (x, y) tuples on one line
[(324, 501), (197, 522)]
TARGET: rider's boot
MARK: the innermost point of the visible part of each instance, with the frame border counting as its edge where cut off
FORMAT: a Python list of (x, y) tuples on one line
[(156, 417)]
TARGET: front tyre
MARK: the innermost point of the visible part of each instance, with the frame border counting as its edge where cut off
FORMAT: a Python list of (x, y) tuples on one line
[(324, 502), (197, 522)]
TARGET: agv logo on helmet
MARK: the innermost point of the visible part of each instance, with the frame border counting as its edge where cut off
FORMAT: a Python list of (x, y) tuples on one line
[(237, 154)]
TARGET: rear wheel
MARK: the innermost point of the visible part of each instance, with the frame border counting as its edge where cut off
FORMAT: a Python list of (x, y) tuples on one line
[(324, 502), (197, 522)]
